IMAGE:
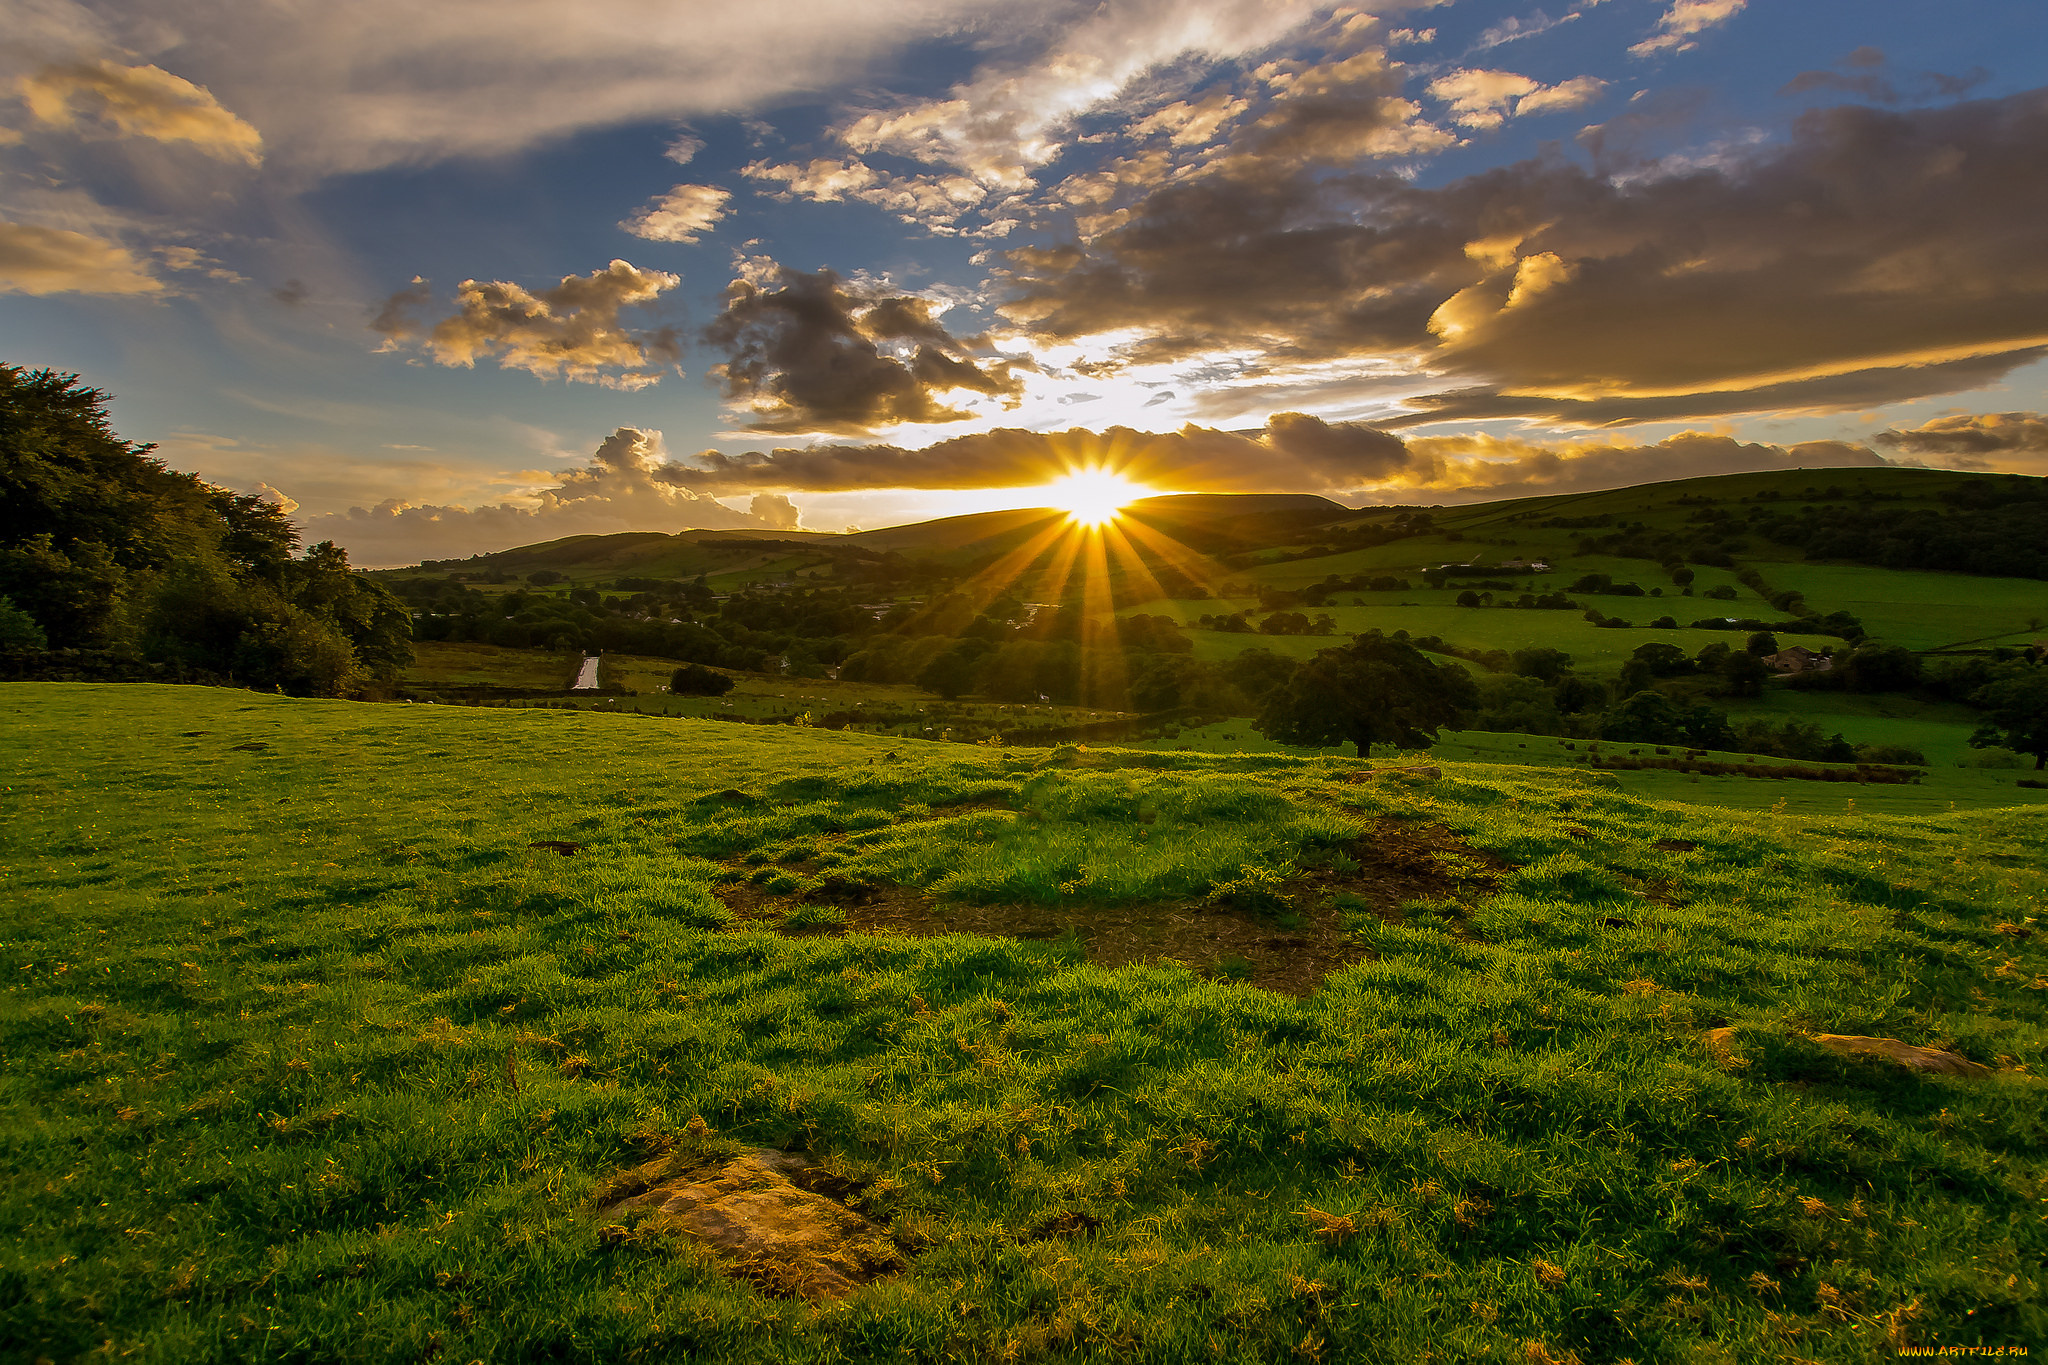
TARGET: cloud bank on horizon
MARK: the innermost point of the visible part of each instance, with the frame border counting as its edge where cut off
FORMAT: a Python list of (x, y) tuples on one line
[(1390, 250)]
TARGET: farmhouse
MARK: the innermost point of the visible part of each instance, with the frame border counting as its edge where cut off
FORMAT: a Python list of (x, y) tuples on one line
[(1799, 659)]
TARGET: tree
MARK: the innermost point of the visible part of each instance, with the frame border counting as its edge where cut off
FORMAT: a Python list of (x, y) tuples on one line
[(1372, 691), (695, 680), (1542, 662), (1879, 668), (104, 549), (948, 675), (19, 632), (1762, 643), (2016, 703), (1653, 718), (1742, 674)]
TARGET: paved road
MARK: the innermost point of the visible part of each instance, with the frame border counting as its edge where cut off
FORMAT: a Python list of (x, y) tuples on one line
[(586, 681)]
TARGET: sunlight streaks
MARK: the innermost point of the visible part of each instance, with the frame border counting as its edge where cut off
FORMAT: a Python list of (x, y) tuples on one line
[(1093, 495)]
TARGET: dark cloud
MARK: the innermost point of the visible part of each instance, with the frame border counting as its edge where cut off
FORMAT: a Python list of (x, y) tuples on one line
[(398, 319), (1833, 393), (1973, 441), (1294, 452), (1481, 468), (1871, 249), (813, 352), (1858, 74), (1347, 453)]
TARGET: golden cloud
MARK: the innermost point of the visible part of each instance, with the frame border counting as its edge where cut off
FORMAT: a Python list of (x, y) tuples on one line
[(41, 260), (140, 101), (572, 331)]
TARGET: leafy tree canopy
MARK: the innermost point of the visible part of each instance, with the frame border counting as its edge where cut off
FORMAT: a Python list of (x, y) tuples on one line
[(103, 548), (2016, 706), (1373, 691)]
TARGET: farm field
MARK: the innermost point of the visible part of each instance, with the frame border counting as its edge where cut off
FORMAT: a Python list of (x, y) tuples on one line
[(314, 1054), (1924, 610)]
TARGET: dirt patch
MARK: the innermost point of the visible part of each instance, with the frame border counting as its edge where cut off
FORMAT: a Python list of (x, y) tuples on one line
[(771, 1217), (1289, 947)]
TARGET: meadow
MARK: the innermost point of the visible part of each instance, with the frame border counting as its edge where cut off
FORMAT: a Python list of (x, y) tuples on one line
[(327, 1023)]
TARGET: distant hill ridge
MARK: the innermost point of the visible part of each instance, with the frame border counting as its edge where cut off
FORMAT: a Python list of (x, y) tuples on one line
[(1900, 517)]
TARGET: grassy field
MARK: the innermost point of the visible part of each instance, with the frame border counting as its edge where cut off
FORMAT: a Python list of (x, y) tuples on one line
[(448, 664), (311, 1056)]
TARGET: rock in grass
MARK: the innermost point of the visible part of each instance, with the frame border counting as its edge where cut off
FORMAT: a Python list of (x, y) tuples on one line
[(1905, 1054), (755, 1214)]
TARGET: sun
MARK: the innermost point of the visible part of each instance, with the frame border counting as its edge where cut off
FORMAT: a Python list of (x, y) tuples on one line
[(1093, 497)]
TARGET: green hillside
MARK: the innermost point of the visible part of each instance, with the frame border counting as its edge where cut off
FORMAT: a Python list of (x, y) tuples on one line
[(319, 1049)]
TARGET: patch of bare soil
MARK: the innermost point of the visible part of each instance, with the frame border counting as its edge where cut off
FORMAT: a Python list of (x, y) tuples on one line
[(1288, 946), (771, 1217)]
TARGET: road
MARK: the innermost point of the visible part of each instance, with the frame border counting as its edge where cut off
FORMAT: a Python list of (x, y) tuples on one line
[(586, 681)]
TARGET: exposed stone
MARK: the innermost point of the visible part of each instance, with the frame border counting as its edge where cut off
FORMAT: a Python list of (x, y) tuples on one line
[(1905, 1054), (763, 1213)]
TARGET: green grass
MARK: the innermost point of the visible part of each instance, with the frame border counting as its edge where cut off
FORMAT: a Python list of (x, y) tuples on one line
[(260, 1004), (1923, 610), (449, 664)]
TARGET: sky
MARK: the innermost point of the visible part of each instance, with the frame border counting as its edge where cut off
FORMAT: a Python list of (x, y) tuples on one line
[(445, 279)]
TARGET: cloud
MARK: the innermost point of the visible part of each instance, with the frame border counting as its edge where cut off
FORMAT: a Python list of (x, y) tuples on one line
[(1186, 123), (283, 502), (1331, 113), (683, 148), (680, 215), (1478, 468), (140, 101), (935, 201), (42, 260), (2013, 440), (774, 509), (1293, 453), (1684, 19), (1872, 253), (1575, 93), (1513, 29), (1487, 99), (346, 88), (618, 490), (1858, 389), (572, 331), (815, 353), (1005, 122)]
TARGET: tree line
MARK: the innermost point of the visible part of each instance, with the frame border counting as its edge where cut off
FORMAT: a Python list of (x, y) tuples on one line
[(112, 565)]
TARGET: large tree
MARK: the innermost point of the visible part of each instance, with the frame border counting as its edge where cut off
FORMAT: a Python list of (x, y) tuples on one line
[(2016, 702), (1374, 690), (105, 549)]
